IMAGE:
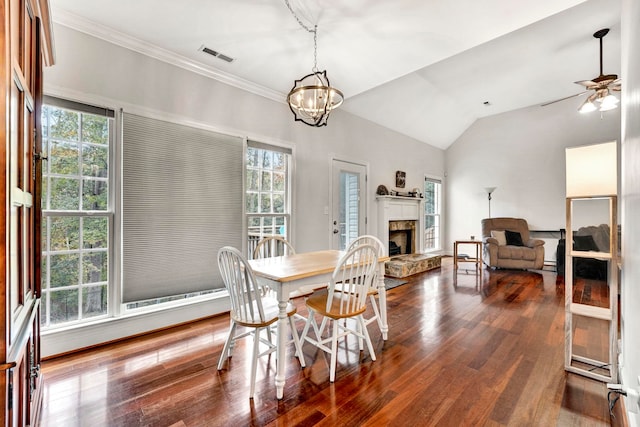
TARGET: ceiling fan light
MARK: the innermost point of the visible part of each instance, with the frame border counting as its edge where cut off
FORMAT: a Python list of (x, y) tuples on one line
[(609, 102), (608, 107), (587, 107)]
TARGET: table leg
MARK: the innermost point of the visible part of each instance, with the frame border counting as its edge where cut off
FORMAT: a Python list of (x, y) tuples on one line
[(281, 344), (455, 255), (382, 298)]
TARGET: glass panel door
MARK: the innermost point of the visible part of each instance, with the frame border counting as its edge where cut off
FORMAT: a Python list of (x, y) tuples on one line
[(348, 206)]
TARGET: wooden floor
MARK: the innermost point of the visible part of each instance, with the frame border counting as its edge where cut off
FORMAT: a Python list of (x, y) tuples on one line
[(459, 354)]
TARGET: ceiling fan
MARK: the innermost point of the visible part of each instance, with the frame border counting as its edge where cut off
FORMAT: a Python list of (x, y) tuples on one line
[(601, 87)]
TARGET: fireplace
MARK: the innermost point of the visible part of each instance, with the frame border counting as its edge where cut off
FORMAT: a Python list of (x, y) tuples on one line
[(401, 230), (402, 237)]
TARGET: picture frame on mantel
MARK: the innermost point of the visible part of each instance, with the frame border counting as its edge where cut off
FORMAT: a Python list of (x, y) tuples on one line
[(400, 179)]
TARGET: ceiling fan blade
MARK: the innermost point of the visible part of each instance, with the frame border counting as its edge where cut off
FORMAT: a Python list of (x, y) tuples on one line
[(562, 99), (587, 83)]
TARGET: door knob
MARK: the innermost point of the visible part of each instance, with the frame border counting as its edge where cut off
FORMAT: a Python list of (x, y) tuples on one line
[(336, 231)]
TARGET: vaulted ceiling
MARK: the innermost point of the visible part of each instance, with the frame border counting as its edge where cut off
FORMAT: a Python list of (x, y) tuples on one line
[(425, 68)]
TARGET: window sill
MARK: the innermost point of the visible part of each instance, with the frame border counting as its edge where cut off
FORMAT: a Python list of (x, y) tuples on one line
[(59, 341)]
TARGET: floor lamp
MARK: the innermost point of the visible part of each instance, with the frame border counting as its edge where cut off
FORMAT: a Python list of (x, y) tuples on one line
[(490, 190)]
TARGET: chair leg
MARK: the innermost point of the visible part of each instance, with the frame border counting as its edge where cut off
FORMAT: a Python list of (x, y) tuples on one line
[(269, 335), (296, 341), (322, 326), (365, 332), (334, 352), (254, 360), (305, 330), (226, 350), (311, 322), (376, 312)]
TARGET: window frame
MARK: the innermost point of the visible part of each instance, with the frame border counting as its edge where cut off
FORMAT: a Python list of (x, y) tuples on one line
[(49, 214), (438, 216), (288, 193)]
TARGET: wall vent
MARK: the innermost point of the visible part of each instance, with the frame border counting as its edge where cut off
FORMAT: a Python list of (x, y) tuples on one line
[(215, 53)]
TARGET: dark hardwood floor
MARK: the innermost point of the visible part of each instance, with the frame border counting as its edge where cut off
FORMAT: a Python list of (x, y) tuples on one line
[(460, 353)]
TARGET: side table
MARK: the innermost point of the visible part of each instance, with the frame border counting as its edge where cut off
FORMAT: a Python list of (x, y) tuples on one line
[(477, 260)]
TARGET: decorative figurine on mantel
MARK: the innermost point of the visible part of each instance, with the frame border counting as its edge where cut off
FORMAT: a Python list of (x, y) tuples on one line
[(382, 191)]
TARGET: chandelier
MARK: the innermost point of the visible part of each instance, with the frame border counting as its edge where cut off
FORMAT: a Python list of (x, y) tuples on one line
[(312, 98)]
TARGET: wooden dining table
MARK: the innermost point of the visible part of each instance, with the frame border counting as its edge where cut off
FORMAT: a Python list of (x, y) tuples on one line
[(284, 274)]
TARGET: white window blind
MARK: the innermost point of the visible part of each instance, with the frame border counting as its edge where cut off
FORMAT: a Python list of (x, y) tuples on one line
[(181, 202)]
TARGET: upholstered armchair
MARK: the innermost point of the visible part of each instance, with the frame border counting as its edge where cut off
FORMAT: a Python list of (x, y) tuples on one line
[(507, 244)]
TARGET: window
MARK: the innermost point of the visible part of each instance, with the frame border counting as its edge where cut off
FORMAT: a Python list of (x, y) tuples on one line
[(267, 206), (181, 202), (432, 214), (77, 214)]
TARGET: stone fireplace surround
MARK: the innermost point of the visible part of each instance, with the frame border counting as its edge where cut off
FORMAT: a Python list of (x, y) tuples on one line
[(403, 234)]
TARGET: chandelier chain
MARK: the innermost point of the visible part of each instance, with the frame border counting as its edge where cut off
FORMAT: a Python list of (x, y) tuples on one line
[(298, 19), (315, 48), (313, 30), (312, 98)]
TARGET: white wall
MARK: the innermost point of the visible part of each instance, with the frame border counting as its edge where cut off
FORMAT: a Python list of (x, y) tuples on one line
[(630, 313), (522, 153), (92, 70)]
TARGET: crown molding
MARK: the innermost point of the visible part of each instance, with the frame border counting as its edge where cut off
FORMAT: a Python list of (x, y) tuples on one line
[(110, 35)]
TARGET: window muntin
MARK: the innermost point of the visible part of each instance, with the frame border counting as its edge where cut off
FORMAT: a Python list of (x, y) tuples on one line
[(77, 219)]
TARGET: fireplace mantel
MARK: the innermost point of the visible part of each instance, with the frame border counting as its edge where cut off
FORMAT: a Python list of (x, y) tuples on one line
[(397, 208)]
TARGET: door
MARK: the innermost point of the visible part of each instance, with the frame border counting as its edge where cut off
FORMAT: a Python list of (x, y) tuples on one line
[(20, 386), (348, 202)]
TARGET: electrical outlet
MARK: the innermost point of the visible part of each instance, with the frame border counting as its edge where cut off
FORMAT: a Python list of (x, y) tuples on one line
[(632, 400)]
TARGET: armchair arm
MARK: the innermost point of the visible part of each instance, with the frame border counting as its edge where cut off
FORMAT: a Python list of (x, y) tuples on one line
[(532, 243), (490, 240), (490, 251)]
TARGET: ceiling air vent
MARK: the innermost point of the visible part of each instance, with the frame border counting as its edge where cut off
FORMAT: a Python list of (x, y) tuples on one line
[(217, 54)]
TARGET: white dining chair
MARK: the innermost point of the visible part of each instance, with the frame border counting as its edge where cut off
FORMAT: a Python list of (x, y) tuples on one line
[(354, 273), (368, 239), (272, 246), (250, 309)]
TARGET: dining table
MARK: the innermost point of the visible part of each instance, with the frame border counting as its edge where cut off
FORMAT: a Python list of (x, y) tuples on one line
[(284, 274)]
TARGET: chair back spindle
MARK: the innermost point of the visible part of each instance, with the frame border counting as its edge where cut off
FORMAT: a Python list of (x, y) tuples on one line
[(244, 291), (354, 274), (368, 239)]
